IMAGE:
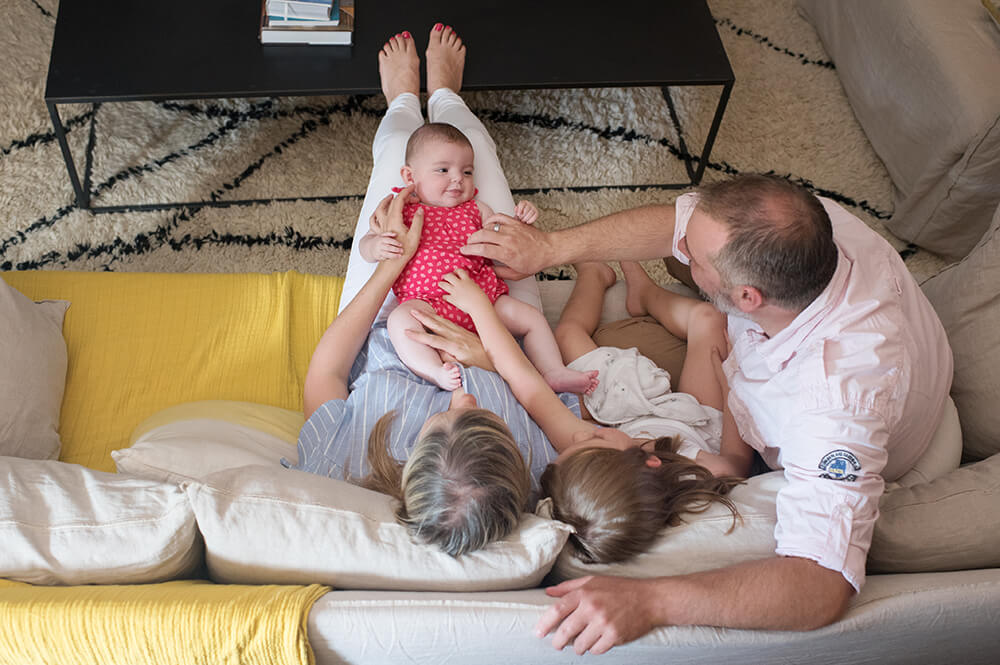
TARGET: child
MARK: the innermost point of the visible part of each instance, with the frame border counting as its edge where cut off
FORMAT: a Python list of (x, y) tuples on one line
[(439, 160)]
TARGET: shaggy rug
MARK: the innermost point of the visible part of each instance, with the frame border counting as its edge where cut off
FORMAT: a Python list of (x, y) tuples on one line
[(296, 168)]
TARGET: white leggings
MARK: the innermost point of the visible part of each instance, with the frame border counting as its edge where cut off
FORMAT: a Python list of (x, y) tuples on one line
[(401, 119)]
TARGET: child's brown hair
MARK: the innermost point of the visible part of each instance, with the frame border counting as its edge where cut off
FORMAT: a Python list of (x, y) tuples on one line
[(619, 504)]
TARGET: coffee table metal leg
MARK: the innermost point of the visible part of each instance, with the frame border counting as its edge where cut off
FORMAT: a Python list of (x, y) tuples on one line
[(720, 109), (695, 174), (82, 197)]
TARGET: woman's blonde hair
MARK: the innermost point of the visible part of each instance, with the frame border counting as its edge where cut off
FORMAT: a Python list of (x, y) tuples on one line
[(619, 505), (464, 485)]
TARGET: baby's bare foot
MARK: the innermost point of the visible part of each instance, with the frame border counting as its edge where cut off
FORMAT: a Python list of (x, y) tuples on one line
[(600, 271), (637, 283), (448, 377), (445, 59), (399, 66), (566, 380)]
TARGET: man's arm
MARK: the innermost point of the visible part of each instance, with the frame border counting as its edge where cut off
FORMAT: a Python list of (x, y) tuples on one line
[(631, 235), (779, 593)]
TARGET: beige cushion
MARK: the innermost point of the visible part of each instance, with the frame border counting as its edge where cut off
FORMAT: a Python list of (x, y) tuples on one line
[(922, 80), (952, 523), (33, 375), (967, 298), (190, 441), (66, 524), (278, 526)]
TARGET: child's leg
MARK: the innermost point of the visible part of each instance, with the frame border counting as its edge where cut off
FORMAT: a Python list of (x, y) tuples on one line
[(420, 358), (582, 313), (697, 321), (401, 118), (540, 346)]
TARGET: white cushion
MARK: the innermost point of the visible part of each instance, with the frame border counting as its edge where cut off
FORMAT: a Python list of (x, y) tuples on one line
[(702, 542), (33, 375), (190, 441), (67, 524), (279, 526)]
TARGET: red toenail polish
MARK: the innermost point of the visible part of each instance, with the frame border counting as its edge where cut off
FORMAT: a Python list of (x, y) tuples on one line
[(406, 35), (438, 26), (448, 26)]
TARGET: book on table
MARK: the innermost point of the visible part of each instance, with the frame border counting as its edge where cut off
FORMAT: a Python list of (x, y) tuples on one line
[(318, 10), (280, 11), (309, 32)]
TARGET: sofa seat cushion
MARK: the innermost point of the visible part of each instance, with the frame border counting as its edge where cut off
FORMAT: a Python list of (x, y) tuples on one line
[(140, 342), (33, 374), (922, 80), (65, 524), (266, 525)]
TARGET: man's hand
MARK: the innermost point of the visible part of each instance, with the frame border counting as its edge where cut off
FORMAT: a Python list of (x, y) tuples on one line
[(522, 248), (597, 613), (452, 341)]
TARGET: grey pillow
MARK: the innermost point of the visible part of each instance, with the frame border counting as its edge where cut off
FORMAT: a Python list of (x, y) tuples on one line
[(33, 375), (967, 298), (950, 523)]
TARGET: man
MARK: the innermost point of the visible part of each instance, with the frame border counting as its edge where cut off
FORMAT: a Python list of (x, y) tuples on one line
[(838, 374)]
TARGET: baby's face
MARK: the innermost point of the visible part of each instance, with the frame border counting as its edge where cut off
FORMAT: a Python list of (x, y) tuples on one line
[(443, 173)]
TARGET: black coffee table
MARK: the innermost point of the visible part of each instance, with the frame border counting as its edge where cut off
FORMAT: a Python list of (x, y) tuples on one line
[(119, 50)]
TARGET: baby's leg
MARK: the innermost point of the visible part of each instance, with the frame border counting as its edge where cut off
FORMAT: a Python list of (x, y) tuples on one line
[(420, 358), (582, 313), (540, 346), (697, 321)]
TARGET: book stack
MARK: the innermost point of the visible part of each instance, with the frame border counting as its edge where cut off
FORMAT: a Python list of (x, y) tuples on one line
[(307, 22)]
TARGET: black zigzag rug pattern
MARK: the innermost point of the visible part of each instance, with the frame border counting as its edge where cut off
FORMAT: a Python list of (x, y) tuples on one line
[(277, 183)]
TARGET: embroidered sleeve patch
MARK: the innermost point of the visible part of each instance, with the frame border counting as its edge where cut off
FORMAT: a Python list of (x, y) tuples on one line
[(838, 465)]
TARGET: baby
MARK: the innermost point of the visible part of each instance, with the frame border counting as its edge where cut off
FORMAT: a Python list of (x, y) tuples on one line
[(439, 160)]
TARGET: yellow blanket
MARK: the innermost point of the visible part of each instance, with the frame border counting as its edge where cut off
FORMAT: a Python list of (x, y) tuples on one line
[(172, 623)]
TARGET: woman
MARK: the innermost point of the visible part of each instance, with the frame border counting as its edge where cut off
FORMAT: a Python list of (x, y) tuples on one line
[(469, 474)]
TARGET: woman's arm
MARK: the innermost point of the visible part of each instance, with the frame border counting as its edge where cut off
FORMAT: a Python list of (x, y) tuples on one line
[(560, 425), (337, 349)]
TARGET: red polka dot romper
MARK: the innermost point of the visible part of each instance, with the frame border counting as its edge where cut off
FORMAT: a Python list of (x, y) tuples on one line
[(445, 231)]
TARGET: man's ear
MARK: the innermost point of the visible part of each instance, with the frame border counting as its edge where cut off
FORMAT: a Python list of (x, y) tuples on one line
[(407, 174), (748, 298)]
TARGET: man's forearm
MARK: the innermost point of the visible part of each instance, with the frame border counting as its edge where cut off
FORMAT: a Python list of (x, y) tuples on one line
[(779, 593), (631, 235)]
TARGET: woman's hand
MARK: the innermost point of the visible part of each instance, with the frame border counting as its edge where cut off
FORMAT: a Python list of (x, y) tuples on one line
[(463, 292), (452, 341), (388, 219)]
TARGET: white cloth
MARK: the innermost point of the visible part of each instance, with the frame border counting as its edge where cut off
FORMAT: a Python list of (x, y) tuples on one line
[(401, 119), (634, 395), (845, 397)]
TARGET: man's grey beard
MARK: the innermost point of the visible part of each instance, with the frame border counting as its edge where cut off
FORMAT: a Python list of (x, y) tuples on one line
[(722, 302)]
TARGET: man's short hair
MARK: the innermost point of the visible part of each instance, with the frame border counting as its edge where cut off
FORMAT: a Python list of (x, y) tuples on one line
[(434, 131), (780, 238)]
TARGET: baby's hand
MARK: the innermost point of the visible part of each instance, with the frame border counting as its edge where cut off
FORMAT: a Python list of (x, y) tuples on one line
[(526, 212), (386, 247), (462, 290)]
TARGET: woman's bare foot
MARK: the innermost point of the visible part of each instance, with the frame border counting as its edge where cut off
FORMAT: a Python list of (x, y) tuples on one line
[(448, 376), (445, 59), (566, 380), (638, 284), (399, 66)]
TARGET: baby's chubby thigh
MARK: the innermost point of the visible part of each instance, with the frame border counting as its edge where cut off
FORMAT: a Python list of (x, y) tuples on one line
[(402, 319)]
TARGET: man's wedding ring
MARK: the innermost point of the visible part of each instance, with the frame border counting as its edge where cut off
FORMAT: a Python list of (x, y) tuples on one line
[(496, 227)]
